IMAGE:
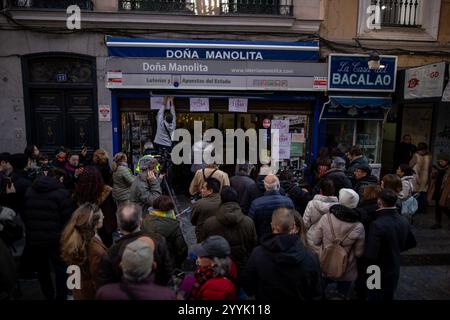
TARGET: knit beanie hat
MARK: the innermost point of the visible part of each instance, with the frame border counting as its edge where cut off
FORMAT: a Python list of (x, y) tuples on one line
[(348, 198)]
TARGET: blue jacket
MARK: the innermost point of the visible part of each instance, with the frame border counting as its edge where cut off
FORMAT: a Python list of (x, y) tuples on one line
[(262, 208)]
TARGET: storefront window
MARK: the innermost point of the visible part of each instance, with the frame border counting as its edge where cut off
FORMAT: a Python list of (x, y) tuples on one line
[(364, 133)]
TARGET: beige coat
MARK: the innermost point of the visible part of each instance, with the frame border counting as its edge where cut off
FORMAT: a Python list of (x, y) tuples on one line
[(198, 180), (421, 164), (315, 209), (353, 244)]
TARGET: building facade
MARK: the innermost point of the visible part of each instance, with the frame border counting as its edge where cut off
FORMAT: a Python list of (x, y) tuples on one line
[(55, 81), (418, 33)]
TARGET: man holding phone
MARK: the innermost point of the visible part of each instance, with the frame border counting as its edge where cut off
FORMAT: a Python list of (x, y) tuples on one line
[(147, 186)]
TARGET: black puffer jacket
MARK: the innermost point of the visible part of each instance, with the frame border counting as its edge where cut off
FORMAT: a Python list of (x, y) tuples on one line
[(364, 182), (282, 269), (48, 207), (239, 230), (299, 197), (367, 211), (339, 178)]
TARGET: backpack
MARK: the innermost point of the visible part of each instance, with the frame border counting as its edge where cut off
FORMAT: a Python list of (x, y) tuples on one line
[(410, 206), (334, 258)]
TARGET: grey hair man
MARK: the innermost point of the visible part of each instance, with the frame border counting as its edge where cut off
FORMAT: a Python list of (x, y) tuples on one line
[(262, 208), (129, 219), (147, 186)]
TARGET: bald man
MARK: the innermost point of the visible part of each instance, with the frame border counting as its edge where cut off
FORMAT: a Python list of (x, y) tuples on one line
[(282, 268), (129, 218), (262, 208)]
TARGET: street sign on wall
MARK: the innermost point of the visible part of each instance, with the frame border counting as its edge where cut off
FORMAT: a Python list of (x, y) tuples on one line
[(348, 72)]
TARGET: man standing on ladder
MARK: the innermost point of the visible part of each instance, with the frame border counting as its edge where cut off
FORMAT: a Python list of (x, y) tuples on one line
[(166, 125)]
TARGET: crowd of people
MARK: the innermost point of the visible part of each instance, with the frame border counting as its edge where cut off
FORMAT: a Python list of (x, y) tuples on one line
[(266, 238)]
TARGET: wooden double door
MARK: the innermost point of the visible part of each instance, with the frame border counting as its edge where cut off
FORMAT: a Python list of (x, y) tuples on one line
[(63, 117)]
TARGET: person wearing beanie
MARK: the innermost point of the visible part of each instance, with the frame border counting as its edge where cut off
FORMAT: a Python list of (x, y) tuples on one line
[(343, 223), (137, 281), (336, 174), (440, 189), (230, 223), (364, 178)]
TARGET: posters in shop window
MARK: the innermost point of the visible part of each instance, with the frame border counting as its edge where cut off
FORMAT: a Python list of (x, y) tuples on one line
[(156, 103), (199, 104)]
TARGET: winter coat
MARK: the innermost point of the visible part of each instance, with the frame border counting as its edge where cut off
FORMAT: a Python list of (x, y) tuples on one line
[(339, 178), (316, 208), (110, 270), (164, 136), (440, 194), (7, 272), (389, 235), (219, 288), (281, 268), (143, 192), (89, 270), (299, 197), (262, 209), (21, 183), (202, 210), (362, 160), (70, 179), (105, 171), (122, 181), (253, 192), (127, 290), (198, 180), (48, 207), (364, 182), (237, 229), (407, 188), (421, 164), (170, 229), (242, 184), (343, 221), (367, 212)]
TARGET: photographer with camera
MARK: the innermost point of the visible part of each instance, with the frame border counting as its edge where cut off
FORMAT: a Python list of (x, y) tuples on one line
[(147, 186)]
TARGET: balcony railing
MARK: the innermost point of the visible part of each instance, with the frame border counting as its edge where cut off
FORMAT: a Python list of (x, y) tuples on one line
[(211, 7), (51, 4), (399, 13)]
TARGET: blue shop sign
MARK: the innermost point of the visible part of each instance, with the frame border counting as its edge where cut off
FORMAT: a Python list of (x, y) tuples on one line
[(213, 49), (347, 72)]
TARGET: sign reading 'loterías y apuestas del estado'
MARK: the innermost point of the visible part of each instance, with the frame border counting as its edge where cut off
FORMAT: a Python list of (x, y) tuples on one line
[(347, 72)]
